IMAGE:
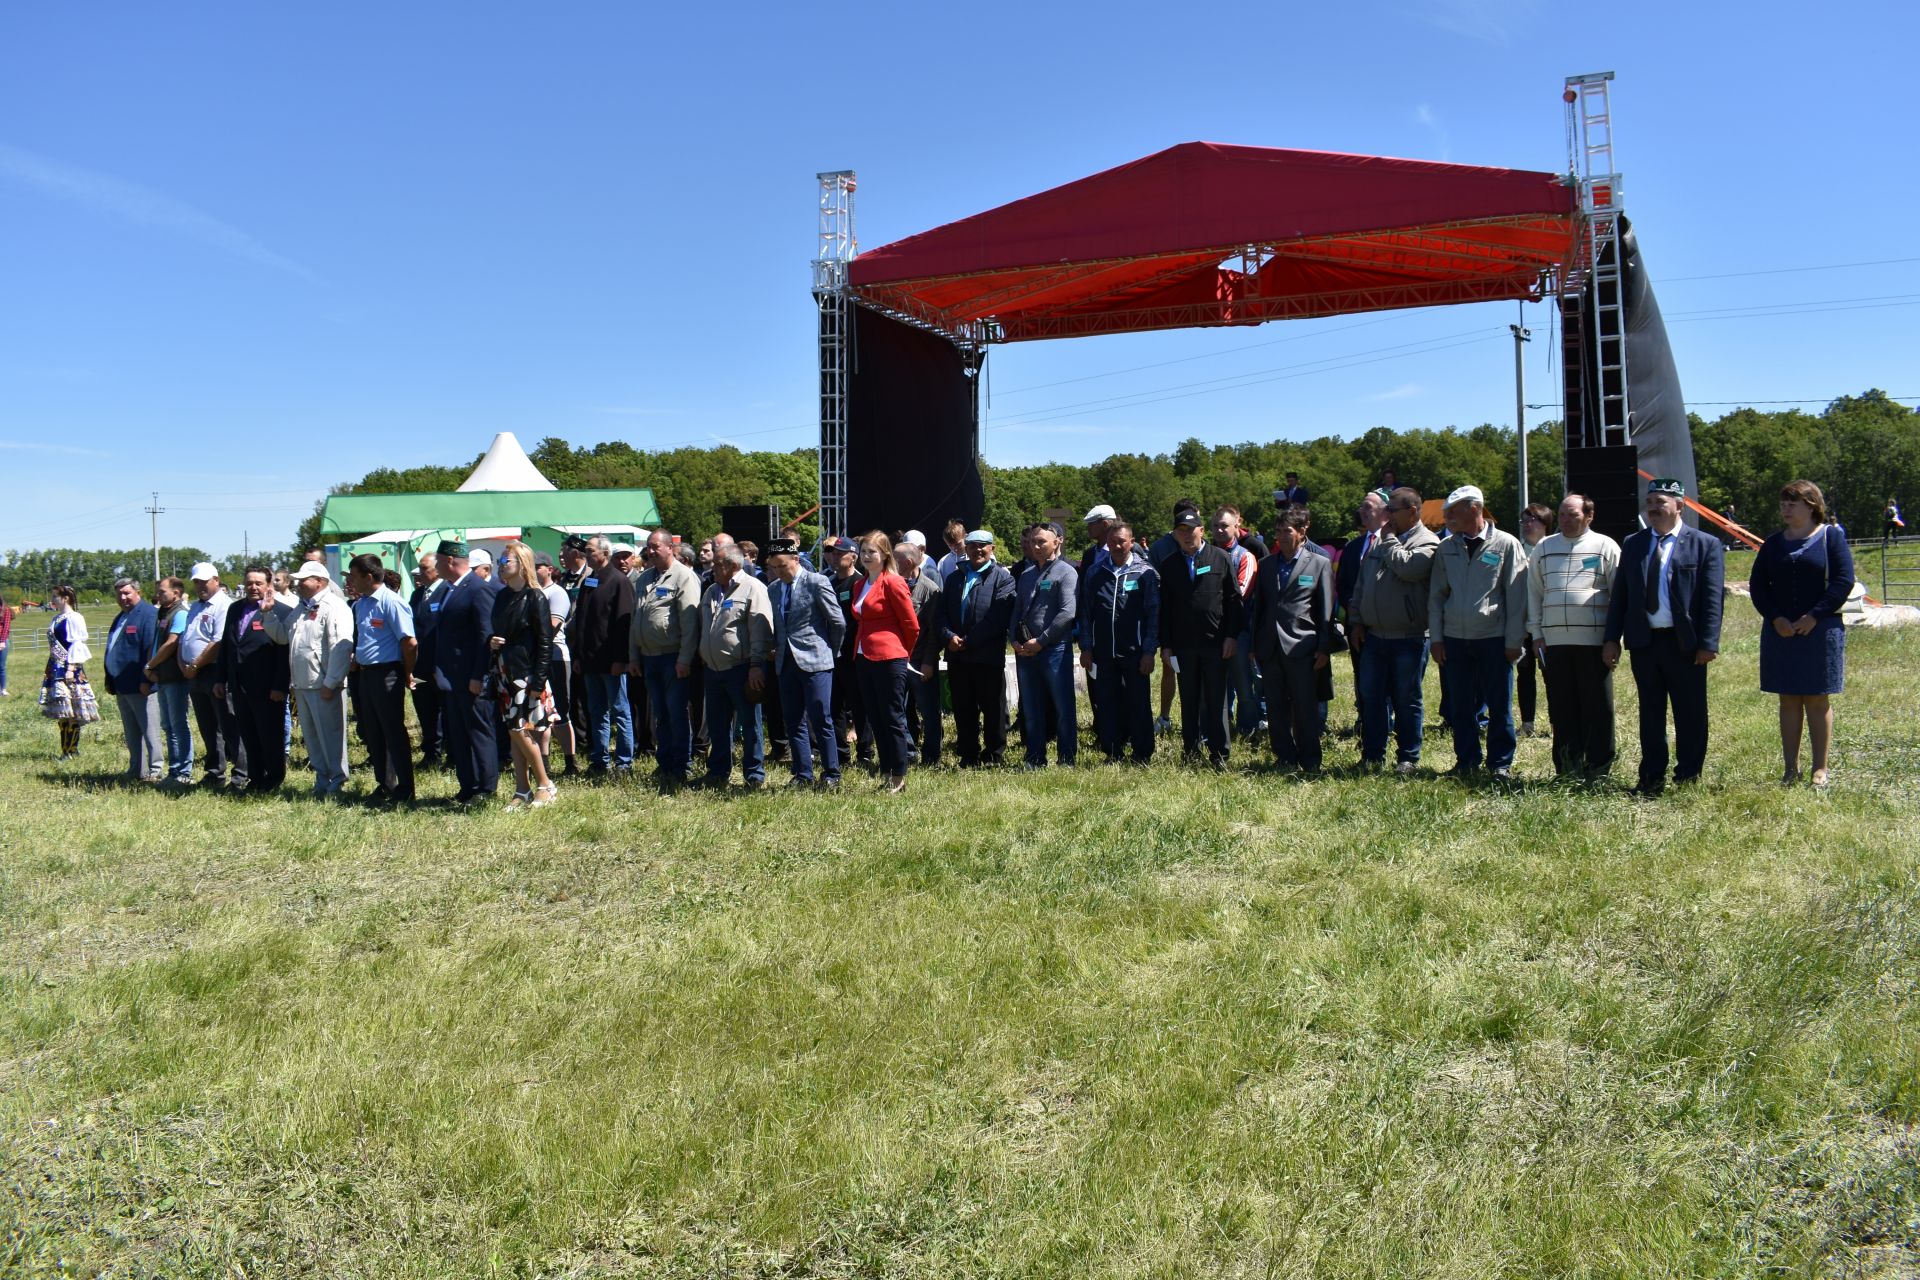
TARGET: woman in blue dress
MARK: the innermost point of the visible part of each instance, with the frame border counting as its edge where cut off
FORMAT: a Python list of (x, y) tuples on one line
[(66, 697), (1801, 579)]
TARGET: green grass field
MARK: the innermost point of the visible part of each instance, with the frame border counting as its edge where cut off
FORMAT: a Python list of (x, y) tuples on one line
[(1092, 1023)]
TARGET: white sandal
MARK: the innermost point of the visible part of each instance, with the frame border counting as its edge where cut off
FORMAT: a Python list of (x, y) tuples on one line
[(544, 796)]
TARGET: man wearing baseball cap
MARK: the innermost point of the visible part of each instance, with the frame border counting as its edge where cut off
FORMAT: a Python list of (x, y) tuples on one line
[(318, 634), (200, 664), (1477, 608), (1202, 614)]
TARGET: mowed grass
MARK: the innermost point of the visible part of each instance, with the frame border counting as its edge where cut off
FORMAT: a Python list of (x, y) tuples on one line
[(1098, 1022)]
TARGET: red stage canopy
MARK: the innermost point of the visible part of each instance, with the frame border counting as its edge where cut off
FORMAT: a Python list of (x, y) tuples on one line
[(1162, 243)]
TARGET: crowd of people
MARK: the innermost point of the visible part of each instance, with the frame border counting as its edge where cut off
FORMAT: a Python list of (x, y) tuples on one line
[(851, 655)]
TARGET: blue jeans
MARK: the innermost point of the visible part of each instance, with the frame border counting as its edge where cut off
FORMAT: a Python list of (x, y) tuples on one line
[(727, 702), (1046, 686), (173, 726), (610, 719), (1246, 685), (672, 732), (4, 650), (1477, 674), (1390, 675), (806, 700)]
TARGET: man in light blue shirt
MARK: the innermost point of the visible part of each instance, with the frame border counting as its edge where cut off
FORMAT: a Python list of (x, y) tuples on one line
[(384, 651)]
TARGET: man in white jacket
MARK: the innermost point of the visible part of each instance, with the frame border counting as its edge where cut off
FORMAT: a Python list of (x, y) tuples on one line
[(319, 637), (1569, 586)]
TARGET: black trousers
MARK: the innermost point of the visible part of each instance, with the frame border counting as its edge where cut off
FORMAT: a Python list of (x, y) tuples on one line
[(1123, 708), (1526, 689), (979, 692), (382, 708), (426, 709), (219, 731), (1667, 675), (642, 711), (1203, 701), (473, 741), (883, 691), (1293, 709), (263, 736), (1580, 704), (850, 709)]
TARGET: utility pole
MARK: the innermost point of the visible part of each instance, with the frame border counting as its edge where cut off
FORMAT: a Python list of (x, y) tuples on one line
[(156, 511), (246, 550), (1520, 336)]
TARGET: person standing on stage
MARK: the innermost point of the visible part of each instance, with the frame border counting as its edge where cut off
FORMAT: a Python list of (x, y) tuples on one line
[(1477, 607), (1201, 616), (1570, 580), (385, 655), (318, 635), (1666, 608), (254, 680)]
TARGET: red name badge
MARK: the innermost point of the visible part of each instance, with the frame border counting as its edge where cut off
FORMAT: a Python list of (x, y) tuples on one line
[(257, 626), (376, 622), (130, 629)]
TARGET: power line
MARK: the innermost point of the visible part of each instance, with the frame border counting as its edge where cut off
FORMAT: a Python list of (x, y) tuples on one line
[(1781, 271)]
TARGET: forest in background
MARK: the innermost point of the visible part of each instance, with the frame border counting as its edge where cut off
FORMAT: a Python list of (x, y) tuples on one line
[(1860, 450)]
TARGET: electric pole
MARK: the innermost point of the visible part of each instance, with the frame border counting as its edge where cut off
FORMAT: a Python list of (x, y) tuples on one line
[(1520, 336), (156, 511)]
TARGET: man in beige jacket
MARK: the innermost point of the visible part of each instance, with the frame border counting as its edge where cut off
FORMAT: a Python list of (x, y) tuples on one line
[(736, 648), (666, 636), (318, 634)]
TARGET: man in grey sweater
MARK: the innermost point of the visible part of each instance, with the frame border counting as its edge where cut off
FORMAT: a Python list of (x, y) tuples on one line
[(1569, 588), (1477, 607), (1389, 628)]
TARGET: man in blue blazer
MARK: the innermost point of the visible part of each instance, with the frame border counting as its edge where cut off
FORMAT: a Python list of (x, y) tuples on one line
[(1667, 601), (462, 660), (976, 608), (1293, 639), (131, 640), (808, 627)]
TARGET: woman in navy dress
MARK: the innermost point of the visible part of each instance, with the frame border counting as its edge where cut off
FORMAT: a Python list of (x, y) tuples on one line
[(1801, 579)]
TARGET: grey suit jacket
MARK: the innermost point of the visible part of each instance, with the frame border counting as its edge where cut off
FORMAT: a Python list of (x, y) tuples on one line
[(811, 626), (1295, 616)]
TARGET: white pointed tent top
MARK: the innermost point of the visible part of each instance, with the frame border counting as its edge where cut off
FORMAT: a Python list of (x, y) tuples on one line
[(505, 469)]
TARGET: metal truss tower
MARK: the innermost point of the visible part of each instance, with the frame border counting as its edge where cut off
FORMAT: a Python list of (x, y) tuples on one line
[(830, 293), (1600, 415)]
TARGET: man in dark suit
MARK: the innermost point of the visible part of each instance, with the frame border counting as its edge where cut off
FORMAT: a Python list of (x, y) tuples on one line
[(462, 659), (807, 630), (1666, 606), (976, 608), (256, 676), (1346, 574), (425, 604), (1293, 636), (1294, 494), (1201, 616)]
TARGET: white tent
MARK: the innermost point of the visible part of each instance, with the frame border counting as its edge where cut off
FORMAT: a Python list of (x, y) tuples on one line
[(505, 469)]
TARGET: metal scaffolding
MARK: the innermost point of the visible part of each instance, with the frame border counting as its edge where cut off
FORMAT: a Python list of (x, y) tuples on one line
[(1601, 415), (837, 248)]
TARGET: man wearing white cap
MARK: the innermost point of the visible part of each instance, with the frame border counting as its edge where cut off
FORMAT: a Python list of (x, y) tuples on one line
[(319, 639), (200, 664), (1099, 520), (1477, 608), (481, 562), (976, 607)]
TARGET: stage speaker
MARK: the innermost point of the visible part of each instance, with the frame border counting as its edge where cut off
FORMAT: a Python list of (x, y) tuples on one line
[(756, 524), (1611, 477), (910, 431)]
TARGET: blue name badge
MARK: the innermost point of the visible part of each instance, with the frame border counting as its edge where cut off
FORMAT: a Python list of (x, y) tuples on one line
[(1205, 568), (590, 582), (1046, 584), (1306, 579), (726, 604), (1130, 584), (434, 607), (661, 593), (1489, 557), (1591, 562)]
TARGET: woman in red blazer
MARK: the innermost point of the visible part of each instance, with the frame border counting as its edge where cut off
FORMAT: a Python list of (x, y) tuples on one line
[(888, 629)]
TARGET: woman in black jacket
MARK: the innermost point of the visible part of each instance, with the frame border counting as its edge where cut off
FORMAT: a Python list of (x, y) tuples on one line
[(522, 645)]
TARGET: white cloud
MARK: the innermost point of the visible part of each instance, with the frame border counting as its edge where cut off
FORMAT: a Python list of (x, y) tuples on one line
[(39, 446), (633, 411), (116, 197), (1489, 21), (1429, 119), (1405, 391)]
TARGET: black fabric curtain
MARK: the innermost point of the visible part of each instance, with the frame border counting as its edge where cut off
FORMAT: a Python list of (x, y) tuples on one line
[(910, 431)]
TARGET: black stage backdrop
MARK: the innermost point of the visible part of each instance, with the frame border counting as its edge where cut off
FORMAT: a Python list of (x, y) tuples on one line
[(1657, 414), (910, 460)]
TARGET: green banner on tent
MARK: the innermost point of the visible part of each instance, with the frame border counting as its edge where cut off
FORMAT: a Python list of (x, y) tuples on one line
[(348, 514)]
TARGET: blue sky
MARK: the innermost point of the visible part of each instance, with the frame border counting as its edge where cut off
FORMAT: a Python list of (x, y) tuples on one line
[(250, 251)]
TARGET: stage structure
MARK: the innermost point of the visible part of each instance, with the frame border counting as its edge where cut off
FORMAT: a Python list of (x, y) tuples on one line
[(1209, 235)]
